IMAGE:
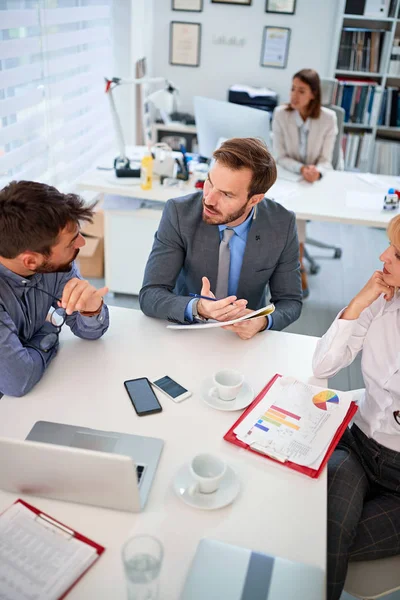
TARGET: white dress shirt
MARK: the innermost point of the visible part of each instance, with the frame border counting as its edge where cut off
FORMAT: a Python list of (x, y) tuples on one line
[(377, 333), (304, 128)]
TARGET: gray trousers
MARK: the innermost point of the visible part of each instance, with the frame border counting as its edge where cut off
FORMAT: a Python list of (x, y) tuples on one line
[(363, 505)]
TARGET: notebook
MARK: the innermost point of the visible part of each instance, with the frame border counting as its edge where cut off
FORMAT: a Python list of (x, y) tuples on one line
[(223, 571), (261, 312), (296, 424), (39, 556)]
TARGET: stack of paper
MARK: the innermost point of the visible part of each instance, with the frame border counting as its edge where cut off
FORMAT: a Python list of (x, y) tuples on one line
[(365, 200), (261, 312), (295, 422)]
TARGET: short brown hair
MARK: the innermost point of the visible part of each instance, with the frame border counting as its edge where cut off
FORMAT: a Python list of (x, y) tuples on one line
[(310, 78), (32, 215), (253, 154), (393, 231)]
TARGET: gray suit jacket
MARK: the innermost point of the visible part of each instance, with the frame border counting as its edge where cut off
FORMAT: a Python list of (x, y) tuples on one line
[(185, 249)]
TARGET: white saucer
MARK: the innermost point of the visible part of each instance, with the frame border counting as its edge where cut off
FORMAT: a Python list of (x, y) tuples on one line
[(210, 396), (225, 494)]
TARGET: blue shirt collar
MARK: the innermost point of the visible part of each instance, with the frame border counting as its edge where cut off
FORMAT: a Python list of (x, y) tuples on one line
[(242, 229), (18, 280)]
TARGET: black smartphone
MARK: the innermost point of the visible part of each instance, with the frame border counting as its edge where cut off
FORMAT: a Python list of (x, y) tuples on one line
[(143, 398)]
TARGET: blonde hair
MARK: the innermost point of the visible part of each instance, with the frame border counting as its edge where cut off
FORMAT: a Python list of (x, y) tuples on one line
[(393, 231)]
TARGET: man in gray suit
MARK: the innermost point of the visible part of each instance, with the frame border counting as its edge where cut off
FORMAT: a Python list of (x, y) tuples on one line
[(231, 232)]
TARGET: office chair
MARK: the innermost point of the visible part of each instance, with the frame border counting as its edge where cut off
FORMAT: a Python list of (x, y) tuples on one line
[(328, 89), (373, 579)]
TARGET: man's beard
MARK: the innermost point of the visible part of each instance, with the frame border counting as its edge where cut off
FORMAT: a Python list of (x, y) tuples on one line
[(220, 219), (48, 267)]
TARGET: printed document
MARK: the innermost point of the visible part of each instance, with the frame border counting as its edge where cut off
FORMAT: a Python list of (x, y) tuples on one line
[(37, 559), (295, 421), (261, 312)]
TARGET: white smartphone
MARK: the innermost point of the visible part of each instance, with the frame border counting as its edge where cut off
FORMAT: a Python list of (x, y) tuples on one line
[(171, 388)]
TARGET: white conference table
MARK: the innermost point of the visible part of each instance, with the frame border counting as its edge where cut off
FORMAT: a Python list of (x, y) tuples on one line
[(277, 511), (130, 226)]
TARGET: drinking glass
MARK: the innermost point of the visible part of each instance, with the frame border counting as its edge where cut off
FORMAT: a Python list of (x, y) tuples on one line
[(142, 557)]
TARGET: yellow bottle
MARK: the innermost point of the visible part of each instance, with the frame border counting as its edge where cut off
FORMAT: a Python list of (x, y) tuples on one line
[(147, 171)]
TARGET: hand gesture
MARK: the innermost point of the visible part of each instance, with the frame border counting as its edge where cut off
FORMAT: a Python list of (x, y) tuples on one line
[(220, 310), (248, 329), (79, 295), (310, 173), (370, 292)]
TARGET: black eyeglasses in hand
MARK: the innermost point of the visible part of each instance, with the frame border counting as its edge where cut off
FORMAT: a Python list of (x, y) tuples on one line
[(57, 319)]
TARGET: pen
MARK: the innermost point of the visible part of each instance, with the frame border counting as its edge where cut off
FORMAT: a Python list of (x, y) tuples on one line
[(203, 297)]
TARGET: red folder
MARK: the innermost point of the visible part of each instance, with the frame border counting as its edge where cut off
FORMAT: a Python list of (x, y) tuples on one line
[(230, 436), (99, 549)]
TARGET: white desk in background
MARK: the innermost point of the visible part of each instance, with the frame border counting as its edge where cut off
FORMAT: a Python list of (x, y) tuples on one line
[(130, 225), (337, 197), (131, 217), (277, 511)]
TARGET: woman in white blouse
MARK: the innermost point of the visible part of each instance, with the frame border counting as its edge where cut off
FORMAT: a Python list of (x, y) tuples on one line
[(364, 471), (304, 132)]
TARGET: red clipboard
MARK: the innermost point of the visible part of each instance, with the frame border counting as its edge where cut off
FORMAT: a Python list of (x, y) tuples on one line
[(99, 549), (230, 436)]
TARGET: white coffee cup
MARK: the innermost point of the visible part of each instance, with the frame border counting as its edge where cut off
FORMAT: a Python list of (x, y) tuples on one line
[(228, 383), (207, 470)]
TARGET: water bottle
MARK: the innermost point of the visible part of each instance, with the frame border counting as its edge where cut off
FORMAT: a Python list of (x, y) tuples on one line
[(391, 201), (147, 171)]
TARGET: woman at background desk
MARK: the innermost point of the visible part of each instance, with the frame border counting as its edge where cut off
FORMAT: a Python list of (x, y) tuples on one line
[(304, 132), (364, 471), (304, 135)]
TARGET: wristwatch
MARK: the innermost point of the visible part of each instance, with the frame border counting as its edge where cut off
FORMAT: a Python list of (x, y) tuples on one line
[(196, 315)]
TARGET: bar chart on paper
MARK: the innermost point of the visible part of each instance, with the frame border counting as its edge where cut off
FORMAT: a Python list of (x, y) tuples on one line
[(278, 417), (295, 421)]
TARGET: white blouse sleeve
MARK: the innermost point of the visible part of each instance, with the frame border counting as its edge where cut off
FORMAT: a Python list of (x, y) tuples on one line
[(342, 342)]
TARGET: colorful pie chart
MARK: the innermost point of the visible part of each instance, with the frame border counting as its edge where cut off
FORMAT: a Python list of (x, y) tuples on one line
[(322, 399)]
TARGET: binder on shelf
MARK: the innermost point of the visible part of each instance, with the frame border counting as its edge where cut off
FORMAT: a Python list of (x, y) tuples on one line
[(376, 8), (47, 558), (231, 437)]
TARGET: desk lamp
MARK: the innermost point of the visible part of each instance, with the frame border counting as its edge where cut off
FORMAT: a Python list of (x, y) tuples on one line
[(164, 99)]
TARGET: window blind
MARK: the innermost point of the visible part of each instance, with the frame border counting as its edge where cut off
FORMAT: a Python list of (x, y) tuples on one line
[(54, 115)]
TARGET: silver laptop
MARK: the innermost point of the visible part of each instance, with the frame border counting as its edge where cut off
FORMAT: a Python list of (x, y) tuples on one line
[(77, 464), (220, 570)]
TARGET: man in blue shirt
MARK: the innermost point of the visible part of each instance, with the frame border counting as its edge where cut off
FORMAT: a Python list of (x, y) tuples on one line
[(40, 285), (190, 256)]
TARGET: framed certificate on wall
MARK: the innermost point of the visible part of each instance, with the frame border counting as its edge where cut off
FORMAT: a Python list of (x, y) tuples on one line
[(184, 44), (188, 5), (275, 47), (286, 7), (244, 2)]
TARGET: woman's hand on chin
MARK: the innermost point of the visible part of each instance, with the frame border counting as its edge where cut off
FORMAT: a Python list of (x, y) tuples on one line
[(374, 287)]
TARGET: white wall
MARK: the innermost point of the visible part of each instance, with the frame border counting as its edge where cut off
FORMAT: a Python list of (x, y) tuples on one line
[(313, 29), (133, 39)]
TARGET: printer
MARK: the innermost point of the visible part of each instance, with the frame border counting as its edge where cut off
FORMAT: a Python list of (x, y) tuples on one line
[(253, 97)]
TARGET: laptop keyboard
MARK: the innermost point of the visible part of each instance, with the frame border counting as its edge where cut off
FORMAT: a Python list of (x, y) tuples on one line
[(139, 472)]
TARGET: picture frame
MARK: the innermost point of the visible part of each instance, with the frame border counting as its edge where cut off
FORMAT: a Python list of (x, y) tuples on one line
[(282, 7), (187, 5), (275, 47), (184, 44), (237, 2)]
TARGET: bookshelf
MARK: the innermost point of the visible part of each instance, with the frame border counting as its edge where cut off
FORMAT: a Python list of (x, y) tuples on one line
[(366, 61)]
